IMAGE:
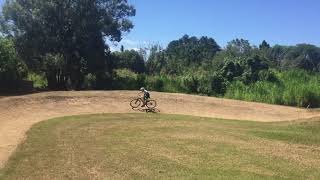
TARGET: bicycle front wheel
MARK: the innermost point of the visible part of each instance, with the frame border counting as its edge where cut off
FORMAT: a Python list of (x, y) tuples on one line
[(151, 104), (135, 103)]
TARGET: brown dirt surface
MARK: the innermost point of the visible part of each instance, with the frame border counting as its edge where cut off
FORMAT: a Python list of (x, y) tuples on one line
[(19, 113)]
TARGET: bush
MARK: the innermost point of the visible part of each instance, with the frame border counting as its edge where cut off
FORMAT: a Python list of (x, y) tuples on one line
[(89, 82), (125, 80), (204, 85), (141, 78), (261, 91), (293, 88), (172, 84), (39, 81), (267, 75), (190, 83), (154, 83), (218, 85), (12, 68)]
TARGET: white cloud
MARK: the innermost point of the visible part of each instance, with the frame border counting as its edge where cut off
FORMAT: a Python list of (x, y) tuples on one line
[(113, 48), (129, 42)]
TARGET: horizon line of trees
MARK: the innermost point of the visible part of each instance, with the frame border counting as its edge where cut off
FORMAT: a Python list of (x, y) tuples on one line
[(239, 71), (61, 45)]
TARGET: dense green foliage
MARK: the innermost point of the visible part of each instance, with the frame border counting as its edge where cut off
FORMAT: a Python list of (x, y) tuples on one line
[(181, 55), (294, 88), (62, 45), (132, 60), (11, 66), (241, 71), (65, 39), (39, 81)]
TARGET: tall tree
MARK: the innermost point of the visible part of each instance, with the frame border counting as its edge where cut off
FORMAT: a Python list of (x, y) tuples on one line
[(11, 66), (71, 30), (303, 56), (238, 48), (190, 51), (264, 45), (129, 59), (157, 60)]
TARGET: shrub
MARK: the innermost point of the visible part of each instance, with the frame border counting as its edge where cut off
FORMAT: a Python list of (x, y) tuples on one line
[(204, 85), (141, 78), (125, 79), (267, 75), (39, 81), (12, 68), (218, 85), (89, 81), (293, 88), (172, 84), (154, 83), (190, 83)]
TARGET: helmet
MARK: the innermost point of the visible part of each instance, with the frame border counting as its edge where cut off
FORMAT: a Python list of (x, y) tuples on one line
[(142, 89)]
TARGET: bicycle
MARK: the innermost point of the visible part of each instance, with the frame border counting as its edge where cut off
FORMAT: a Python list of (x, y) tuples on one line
[(135, 103)]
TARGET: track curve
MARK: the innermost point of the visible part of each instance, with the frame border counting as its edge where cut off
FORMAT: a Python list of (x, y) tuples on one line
[(19, 113)]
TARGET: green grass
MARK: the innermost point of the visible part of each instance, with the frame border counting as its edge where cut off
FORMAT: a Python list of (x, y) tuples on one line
[(157, 146), (294, 88)]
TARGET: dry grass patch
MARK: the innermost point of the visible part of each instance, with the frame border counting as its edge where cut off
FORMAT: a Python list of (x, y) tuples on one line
[(153, 146)]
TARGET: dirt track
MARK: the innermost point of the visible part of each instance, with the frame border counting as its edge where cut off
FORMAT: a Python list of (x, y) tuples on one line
[(19, 113)]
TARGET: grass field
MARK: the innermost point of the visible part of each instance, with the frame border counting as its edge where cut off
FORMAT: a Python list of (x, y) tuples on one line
[(154, 146)]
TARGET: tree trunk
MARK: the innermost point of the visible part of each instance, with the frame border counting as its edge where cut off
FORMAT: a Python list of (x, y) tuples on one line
[(56, 81)]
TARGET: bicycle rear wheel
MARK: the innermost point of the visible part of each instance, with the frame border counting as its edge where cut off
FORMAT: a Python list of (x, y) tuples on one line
[(151, 104), (135, 103)]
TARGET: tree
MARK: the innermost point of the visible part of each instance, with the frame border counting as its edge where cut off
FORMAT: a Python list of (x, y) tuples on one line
[(238, 48), (264, 45), (122, 48), (157, 60), (131, 60), (11, 66), (190, 51), (231, 69), (252, 66), (304, 56), (71, 30), (276, 54)]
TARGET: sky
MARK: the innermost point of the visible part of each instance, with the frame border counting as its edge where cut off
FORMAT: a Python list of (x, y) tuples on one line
[(285, 22)]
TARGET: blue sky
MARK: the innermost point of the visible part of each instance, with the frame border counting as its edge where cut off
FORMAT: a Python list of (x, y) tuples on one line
[(286, 22)]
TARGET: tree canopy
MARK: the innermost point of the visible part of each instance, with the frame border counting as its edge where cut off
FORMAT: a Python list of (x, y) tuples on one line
[(182, 53), (11, 66), (67, 31), (129, 59)]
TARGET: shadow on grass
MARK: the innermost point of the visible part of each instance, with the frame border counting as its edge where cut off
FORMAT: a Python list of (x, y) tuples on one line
[(147, 110)]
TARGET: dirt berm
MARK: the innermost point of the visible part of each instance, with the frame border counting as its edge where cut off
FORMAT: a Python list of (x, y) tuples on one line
[(19, 113)]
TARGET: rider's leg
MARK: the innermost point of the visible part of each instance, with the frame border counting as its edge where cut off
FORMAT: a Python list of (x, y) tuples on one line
[(144, 101), (144, 104)]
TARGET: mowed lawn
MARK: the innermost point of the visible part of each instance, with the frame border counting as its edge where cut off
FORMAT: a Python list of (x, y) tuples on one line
[(158, 146)]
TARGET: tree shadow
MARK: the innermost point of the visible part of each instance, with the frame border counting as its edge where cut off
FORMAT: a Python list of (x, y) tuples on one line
[(14, 93)]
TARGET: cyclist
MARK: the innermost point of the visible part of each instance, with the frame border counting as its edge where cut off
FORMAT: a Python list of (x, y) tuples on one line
[(146, 96)]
